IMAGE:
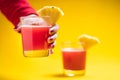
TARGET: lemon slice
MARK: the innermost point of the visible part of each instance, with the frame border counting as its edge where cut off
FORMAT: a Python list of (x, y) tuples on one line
[(88, 41), (50, 13)]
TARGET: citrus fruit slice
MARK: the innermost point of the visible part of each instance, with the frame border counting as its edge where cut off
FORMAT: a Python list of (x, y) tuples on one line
[(50, 13), (88, 41)]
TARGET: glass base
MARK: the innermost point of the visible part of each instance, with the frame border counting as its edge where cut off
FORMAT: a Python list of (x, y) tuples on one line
[(36, 53), (74, 72)]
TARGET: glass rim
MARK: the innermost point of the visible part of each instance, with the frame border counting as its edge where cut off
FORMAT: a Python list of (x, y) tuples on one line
[(35, 26), (33, 21), (72, 45)]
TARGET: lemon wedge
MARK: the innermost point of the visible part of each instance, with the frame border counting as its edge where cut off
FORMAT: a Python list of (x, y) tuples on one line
[(50, 14), (88, 41)]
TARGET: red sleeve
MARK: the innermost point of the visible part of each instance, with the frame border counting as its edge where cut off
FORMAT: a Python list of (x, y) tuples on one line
[(14, 9)]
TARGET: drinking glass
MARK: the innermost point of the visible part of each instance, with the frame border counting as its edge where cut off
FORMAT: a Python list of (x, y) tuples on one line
[(74, 58), (35, 33)]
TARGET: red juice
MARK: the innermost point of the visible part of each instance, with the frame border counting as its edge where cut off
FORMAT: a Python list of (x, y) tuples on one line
[(74, 59), (35, 37)]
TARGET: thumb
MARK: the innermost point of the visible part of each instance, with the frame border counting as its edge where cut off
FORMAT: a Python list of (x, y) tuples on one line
[(18, 28)]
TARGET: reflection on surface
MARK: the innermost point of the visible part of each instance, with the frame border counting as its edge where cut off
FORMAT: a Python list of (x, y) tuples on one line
[(62, 76)]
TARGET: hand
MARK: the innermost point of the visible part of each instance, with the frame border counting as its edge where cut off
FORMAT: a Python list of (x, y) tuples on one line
[(52, 39), (39, 21)]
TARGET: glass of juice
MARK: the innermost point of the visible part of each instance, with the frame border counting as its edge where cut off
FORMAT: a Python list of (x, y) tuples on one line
[(34, 37), (74, 58)]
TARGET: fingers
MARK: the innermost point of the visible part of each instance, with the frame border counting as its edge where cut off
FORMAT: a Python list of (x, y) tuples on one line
[(50, 51), (53, 29), (52, 45), (18, 28), (52, 38)]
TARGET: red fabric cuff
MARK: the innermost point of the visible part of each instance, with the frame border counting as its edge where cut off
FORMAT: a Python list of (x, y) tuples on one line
[(14, 9)]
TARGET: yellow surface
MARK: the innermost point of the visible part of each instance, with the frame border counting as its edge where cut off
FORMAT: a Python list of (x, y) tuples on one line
[(99, 18)]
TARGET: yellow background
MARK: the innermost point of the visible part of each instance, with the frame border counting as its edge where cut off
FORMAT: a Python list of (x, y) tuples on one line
[(99, 18)]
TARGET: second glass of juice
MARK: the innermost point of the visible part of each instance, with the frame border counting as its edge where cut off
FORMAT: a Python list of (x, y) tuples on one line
[(74, 58), (34, 38)]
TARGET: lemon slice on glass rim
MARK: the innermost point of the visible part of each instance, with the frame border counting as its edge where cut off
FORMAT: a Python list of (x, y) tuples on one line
[(88, 41)]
